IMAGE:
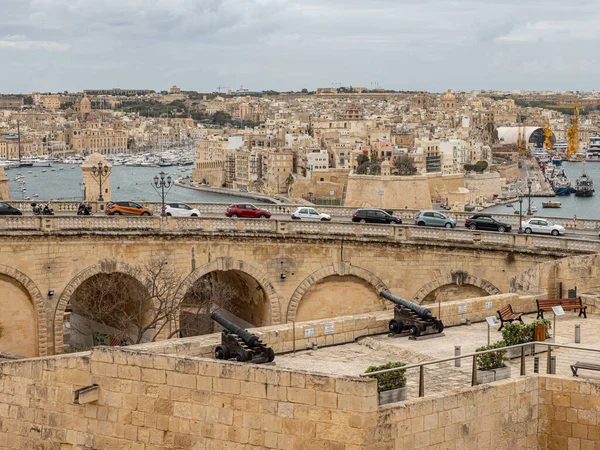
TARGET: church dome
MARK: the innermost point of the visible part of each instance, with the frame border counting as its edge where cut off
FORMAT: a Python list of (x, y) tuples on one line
[(85, 104), (449, 95)]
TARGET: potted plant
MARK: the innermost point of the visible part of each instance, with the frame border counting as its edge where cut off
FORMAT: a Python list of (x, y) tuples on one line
[(491, 366), (390, 385), (517, 333)]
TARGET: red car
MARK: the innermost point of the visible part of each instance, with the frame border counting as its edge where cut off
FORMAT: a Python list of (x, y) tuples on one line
[(247, 210)]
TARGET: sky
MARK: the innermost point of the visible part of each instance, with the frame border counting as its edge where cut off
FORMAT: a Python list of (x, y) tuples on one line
[(58, 45)]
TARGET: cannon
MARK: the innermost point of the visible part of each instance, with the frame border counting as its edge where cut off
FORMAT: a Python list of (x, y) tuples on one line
[(409, 316), (240, 345)]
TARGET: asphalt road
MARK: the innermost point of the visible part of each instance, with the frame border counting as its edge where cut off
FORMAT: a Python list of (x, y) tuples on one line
[(580, 234)]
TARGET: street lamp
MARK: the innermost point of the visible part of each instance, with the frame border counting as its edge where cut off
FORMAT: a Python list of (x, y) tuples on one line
[(520, 213), (162, 183), (100, 171), (529, 183)]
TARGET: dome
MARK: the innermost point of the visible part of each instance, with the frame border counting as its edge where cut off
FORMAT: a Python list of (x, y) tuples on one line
[(449, 95), (93, 160), (85, 104)]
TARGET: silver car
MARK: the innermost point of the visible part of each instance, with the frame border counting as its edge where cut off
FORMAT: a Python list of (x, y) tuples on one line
[(432, 218), (539, 225)]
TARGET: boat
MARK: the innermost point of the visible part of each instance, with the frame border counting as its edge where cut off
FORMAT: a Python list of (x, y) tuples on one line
[(509, 205), (592, 153), (557, 160), (551, 204), (560, 182), (584, 186)]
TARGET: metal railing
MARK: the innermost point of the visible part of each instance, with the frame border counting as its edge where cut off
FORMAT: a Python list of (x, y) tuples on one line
[(474, 356)]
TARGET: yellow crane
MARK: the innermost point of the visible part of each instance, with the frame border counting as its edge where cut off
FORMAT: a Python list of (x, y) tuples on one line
[(521, 144), (573, 133), (544, 125)]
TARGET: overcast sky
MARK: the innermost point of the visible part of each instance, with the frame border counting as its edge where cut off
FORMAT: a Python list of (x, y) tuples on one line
[(56, 45)]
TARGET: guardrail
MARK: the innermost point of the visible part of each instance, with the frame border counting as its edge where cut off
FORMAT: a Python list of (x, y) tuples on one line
[(391, 233), (334, 211), (473, 356)]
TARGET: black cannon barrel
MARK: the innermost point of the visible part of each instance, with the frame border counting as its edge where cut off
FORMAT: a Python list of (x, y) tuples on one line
[(250, 339), (425, 313)]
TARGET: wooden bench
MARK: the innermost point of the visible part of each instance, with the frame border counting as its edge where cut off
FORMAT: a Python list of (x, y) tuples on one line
[(506, 314), (583, 365), (567, 304)]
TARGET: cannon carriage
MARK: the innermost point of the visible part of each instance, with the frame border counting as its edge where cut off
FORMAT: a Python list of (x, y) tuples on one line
[(238, 344), (409, 316)]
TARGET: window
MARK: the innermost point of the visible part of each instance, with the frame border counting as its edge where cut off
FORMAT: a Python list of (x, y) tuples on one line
[(428, 214)]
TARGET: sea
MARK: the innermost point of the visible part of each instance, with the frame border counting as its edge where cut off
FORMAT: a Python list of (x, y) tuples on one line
[(582, 207), (64, 182)]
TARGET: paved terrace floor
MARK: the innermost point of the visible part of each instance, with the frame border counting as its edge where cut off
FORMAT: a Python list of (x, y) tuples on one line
[(353, 359)]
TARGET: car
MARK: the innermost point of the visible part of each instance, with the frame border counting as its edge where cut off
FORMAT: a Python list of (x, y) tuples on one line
[(486, 222), (180, 210), (8, 210), (372, 215), (127, 208), (432, 218), (306, 212), (247, 210), (539, 225)]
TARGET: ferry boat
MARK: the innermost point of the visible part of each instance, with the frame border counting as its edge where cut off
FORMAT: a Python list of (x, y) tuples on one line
[(560, 182), (593, 150)]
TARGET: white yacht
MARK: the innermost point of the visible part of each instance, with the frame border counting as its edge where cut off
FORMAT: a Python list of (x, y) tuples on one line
[(593, 150)]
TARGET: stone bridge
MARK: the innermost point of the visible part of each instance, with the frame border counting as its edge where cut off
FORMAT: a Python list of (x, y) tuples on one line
[(284, 270)]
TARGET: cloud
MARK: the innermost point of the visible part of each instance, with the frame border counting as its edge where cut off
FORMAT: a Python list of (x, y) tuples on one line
[(290, 44), (19, 42)]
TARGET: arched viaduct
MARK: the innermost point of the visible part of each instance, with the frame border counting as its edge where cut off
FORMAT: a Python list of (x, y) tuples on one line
[(285, 276)]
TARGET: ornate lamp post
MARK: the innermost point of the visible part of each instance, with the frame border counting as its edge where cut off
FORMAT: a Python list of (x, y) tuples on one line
[(529, 183), (162, 183), (520, 214), (99, 172)]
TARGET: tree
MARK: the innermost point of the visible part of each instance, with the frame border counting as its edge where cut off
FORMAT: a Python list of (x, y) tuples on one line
[(369, 168), (221, 118), (120, 306), (305, 91), (405, 165), (361, 159)]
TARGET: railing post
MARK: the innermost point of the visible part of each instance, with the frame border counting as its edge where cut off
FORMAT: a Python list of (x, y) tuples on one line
[(474, 371), (549, 360), (421, 381), (457, 361), (522, 360)]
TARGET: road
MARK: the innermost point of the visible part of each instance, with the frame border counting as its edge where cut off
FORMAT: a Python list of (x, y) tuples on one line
[(580, 234)]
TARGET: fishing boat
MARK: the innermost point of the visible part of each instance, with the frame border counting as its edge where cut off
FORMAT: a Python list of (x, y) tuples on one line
[(551, 204), (584, 186), (560, 182)]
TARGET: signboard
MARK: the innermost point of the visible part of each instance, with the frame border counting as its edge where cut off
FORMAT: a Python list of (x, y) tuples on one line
[(558, 310), (309, 332), (329, 328), (462, 309), (491, 320), (380, 192), (488, 305), (332, 193)]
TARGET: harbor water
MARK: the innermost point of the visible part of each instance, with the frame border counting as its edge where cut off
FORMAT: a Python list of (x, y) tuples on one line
[(63, 181), (582, 207)]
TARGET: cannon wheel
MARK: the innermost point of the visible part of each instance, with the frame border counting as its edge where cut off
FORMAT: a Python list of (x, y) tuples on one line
[(414, 330), (221, 352), (440, 327), (240, 357), (270, 355), (396, 327)]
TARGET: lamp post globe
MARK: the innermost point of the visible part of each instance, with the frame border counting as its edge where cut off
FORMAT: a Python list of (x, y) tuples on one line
[(161, 183)]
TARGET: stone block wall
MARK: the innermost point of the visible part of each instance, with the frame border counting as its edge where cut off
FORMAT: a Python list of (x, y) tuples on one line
[(569, 414)]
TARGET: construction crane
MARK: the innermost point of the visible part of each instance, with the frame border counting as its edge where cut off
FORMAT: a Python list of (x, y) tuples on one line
[(573, 133), (549, 134), (521, 144), (222, 87)]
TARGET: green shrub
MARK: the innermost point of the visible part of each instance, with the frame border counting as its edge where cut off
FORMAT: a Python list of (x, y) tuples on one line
[(390, 380), (491, 361), (516, 333), (1, 330)]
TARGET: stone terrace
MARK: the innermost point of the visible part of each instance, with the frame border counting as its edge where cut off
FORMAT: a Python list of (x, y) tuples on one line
[(352, 359)]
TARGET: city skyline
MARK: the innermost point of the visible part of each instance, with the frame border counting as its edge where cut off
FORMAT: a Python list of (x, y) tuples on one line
[(58, 45)]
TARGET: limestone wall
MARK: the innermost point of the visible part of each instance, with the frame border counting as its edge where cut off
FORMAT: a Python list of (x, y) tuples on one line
[(150, 401), (485, 185), (408, 192), (569, 413), (440, 185), (320, 184), (4, 191)]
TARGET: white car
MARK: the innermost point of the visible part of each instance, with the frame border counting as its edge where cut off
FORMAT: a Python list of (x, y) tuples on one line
[(180, 210), (538, 225), (305, 212)]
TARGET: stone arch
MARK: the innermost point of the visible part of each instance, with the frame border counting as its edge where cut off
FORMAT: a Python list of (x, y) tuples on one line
[(38, 303), (225, 264), (340, 269), (458, 278), (106, 266)]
